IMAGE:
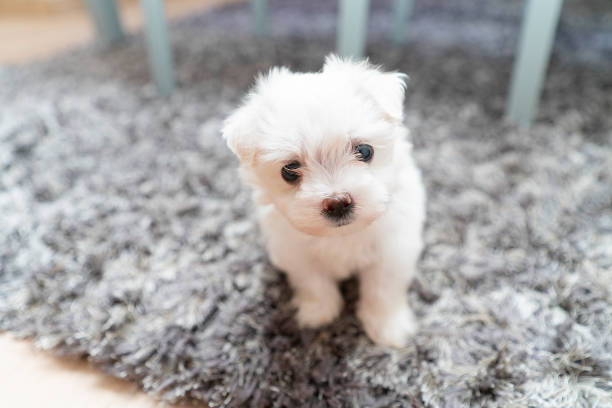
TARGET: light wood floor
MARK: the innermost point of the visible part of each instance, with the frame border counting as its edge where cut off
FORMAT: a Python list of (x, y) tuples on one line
[(26, 37), (28, 377), (34, 378)]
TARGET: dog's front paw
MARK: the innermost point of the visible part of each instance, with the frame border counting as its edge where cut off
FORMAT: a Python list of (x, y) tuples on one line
[(391, 329), (314, 312)]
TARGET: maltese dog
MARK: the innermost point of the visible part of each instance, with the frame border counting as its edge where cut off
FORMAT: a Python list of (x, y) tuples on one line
[(336, 189)]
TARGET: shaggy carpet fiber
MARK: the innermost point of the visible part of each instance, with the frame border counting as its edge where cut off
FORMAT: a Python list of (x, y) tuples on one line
[(127, 238)]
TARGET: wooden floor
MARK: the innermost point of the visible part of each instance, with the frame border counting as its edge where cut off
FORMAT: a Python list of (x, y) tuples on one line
[(26, 37), (29, 377), (33, 378)]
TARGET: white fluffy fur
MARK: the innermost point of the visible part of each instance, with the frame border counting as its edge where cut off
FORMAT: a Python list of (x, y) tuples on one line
[(317, 119)]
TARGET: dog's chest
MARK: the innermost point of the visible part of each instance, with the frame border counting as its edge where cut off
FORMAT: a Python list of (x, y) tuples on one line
[(344, 255)]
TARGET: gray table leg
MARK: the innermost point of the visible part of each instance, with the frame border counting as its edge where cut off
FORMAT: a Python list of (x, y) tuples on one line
[(158, 45), (352, 27), (259, 9), (106, 19), (535, 44), (401, 11)]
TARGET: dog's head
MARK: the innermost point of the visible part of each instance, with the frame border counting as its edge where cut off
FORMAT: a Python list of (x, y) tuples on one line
[(320, 146)]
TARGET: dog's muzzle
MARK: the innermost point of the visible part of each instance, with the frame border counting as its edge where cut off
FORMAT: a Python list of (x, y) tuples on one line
[(338, 208)]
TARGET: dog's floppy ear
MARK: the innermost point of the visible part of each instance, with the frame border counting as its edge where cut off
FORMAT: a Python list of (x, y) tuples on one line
[(239, 134), (241, 129), (386, 89)]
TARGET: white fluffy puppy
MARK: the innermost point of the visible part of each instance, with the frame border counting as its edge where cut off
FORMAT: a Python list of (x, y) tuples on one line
[(336, 188)]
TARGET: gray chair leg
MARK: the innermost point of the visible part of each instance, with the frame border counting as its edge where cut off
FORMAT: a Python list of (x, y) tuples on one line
[(402, 9), (537, 36), (158, 45), (352, 27), (259, 9), (106, 19)]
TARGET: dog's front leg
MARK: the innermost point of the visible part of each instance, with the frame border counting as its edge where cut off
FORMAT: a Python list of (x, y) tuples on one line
[(317, 297), (383, 305)]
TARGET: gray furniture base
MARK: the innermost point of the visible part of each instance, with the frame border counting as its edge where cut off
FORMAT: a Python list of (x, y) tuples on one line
[(158, 45), (106, 19), (533, 53)]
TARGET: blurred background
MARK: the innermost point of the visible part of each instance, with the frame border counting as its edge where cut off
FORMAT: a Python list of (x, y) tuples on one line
[(526, 31), (40, 28)]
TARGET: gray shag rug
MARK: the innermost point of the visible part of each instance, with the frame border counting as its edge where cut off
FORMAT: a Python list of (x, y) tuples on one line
[(126, 237)]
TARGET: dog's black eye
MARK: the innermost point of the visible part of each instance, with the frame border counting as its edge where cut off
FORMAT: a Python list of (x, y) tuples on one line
[(288, 172), (364, 152)]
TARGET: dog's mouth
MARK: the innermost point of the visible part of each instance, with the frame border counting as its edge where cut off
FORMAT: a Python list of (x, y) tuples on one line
[(340, 220), (343, 221)]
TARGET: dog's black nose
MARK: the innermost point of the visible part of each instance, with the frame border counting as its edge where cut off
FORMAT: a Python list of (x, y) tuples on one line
[(338, 205)]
